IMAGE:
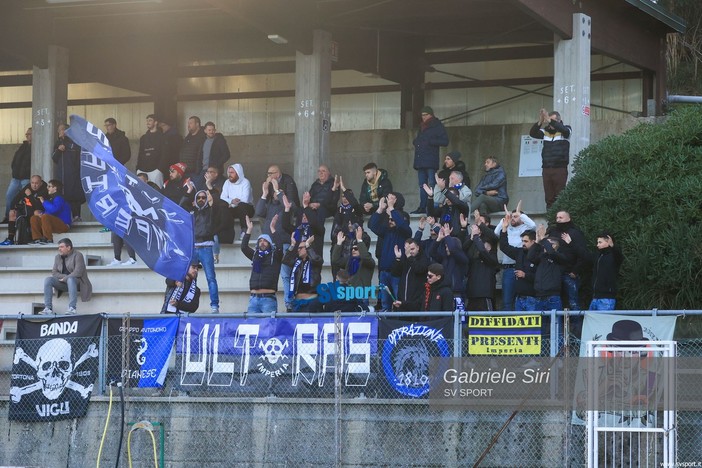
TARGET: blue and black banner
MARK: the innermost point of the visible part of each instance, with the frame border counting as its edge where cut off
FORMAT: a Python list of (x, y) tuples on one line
[(407, 348), (159, 230), (150, 343), (283, 356)]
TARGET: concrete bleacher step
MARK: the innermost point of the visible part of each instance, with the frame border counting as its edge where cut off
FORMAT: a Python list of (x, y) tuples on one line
[(118, 301), (126, 278)]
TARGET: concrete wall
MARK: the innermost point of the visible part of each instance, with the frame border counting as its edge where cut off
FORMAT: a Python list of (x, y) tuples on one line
[(390, 149), (285, 432)]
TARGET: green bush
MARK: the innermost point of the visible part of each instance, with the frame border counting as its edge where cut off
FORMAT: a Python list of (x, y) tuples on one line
[(645, 187)]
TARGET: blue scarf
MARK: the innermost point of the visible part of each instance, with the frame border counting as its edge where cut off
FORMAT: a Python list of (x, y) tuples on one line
[(354, 265), (259, 255)]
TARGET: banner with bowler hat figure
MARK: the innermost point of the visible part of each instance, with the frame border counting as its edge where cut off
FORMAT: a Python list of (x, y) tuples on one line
[(610, 327), (54, 368), (159, 230)]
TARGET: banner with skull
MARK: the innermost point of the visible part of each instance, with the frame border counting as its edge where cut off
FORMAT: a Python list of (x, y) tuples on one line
[(54, 368), (148, 344), (292, 357), (407, 348)]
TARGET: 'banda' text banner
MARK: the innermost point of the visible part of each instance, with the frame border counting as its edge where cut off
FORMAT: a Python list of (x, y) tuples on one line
[(54, 368)]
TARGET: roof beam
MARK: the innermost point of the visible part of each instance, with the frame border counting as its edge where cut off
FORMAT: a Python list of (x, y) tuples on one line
[(492, 54)]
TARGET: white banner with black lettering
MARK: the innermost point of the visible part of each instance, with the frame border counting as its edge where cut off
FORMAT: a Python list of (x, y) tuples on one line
[(54, 368)]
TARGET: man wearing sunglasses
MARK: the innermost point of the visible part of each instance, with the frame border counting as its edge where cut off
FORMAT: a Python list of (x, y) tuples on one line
[(205, 224)]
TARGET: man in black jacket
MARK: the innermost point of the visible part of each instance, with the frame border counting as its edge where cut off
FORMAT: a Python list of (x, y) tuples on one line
[(183, 296), (118, 141), (323, 196), (25, 203), (375, 186), (412, 272), (523, 270), (151, 151), (547, 277), (191, 149), (266, 260), (171, 147), (437, 295), (606, 262), (305, 275), (205, 223), (555, 154), (572, 267), (21, 168)]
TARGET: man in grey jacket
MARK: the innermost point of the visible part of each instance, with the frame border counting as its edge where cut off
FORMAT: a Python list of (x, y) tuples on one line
[(69, 274)]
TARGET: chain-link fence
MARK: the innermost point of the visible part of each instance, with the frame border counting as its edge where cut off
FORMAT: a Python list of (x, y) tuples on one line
[(291, 391)]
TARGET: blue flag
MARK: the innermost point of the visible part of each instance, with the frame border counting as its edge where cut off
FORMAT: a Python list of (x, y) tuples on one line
[(159, 230)]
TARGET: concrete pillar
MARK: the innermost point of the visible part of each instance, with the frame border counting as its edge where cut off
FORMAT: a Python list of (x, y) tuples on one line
[(312, 110), (411, 102), (49, 102), (165, 103), (571, 83)]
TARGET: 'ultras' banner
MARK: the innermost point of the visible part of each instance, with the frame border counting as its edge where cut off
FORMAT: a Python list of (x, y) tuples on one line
[(54, 368), (159, 230), (283, 356), (150, 343), (407, 349), (507, 335)]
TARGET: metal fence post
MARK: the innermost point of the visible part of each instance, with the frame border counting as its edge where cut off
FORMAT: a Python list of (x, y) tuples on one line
[(554, 333), (103, 355), (457, 335)]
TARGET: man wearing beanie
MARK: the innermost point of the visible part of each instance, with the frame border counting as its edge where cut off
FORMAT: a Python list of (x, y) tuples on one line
[(431, 136), (453, 162), (177, 186), (266, 260)]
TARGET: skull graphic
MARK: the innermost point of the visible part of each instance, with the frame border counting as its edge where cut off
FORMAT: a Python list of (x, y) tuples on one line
[(273, 349), (54, 367)]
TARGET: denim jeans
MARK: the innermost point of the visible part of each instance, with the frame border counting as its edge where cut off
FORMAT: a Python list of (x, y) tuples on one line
[(549, 303), (603, 304), (12, 190), (392, 282), (509, 281), (206, 257), (425, 176), (263, 305), (525, 303), (70, 285), (570, 287)]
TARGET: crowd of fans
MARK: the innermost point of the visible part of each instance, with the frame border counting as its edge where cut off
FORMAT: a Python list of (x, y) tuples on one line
[(449, 261)]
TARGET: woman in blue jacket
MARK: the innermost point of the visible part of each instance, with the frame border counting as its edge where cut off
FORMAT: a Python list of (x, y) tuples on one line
[(56, 217)]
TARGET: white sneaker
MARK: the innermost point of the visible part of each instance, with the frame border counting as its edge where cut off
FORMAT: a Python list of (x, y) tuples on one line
[(129, 261), (71, 311), (114, 262), (214, 310), (46, 311)]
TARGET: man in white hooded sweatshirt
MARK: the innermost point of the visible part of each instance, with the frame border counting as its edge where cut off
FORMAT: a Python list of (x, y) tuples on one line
[(236, 192)]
